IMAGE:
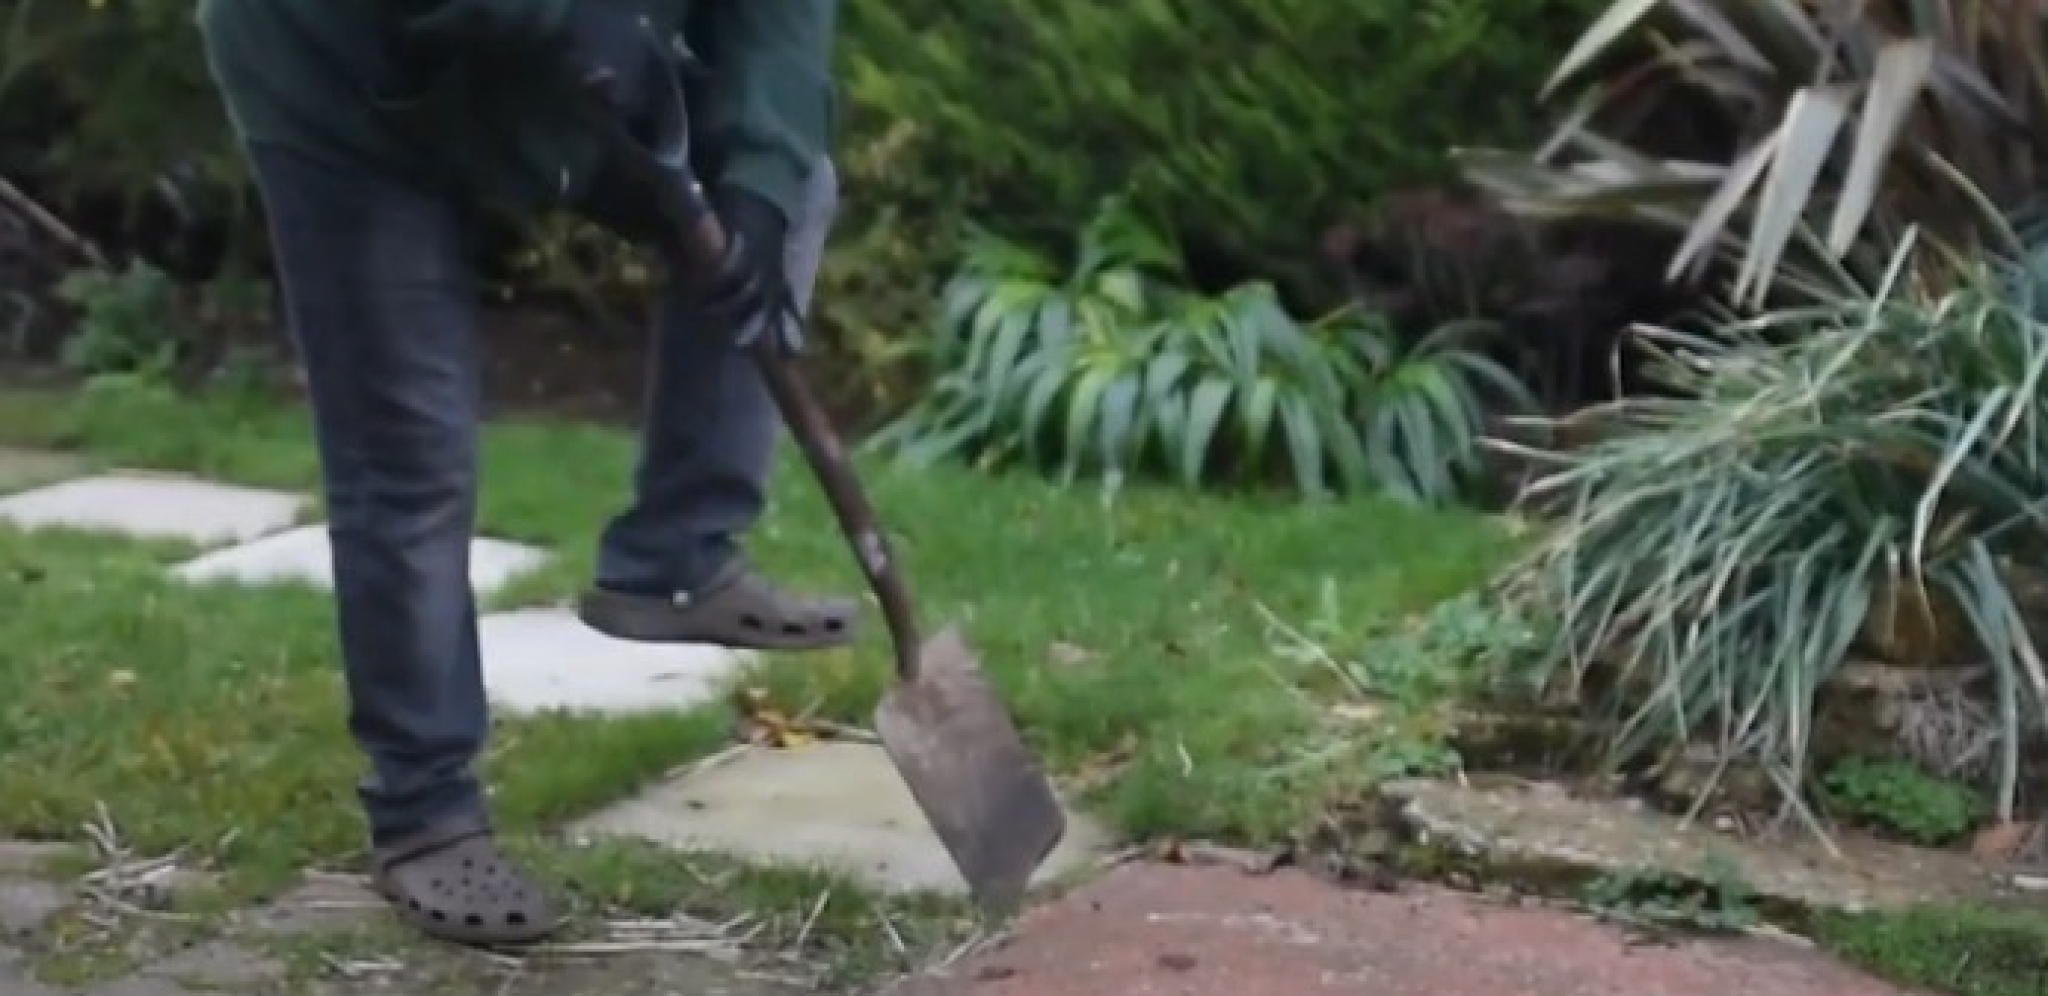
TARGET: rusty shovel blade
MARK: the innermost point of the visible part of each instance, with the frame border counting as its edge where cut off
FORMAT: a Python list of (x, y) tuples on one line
[(982, 789)]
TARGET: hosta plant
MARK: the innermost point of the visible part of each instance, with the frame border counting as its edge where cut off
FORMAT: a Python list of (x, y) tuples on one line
[(1851, 118), (1720, 550), (1108, 367)]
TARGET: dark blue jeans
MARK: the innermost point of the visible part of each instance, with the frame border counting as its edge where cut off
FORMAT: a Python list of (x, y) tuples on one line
[(380, 298)]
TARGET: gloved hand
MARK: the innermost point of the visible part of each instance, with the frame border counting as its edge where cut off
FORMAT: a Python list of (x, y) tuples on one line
[(606, 43), (750, 291)]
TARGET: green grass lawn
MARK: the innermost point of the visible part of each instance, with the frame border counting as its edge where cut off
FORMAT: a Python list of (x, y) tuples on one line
[(1126, 634)]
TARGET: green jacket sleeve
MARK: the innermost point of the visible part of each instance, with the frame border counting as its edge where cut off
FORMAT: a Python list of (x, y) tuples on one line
[(767, 105), (518, 22)]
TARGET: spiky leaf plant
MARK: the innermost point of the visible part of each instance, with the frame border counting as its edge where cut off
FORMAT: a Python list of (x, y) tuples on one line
[(1720, 550), (1110, 367), (1851, 116)]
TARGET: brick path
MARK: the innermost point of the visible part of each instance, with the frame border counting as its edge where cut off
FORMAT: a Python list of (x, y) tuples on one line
[(1176, 931)]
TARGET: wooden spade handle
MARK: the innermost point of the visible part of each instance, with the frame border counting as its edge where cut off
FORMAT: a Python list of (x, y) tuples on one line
[(826, 454)]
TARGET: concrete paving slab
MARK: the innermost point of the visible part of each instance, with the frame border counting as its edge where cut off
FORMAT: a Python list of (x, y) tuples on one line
[(328, 904), (25, 906), (32, 859), (155, 506), (544, 659), (15, 979), (222, 965), (302, 555), (836, 806), (139, 985), (23, 469)]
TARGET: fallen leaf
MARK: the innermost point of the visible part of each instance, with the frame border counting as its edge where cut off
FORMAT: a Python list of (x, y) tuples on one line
[(1098, 770), (1358, 712), (1068, 655), (1247, 861), (761, 724), (1201, 854)]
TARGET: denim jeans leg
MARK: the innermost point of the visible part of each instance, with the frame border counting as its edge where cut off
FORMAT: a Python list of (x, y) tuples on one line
[(708, 435), (379, 298)]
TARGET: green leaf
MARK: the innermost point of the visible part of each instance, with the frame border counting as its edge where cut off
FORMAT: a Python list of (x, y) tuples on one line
[(1125, 289), (1256, 409), (1119, 421), (1000, 362), (1164, 373), (1346, 448), (1304, 447), (1082, 414), (1205, 413), (1046, 377), (1055, 325)]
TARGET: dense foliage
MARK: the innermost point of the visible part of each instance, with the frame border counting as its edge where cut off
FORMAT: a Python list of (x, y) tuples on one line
[(109, 103), (1852, 452), (1108, 364), (1723, 549), (1250, 124)]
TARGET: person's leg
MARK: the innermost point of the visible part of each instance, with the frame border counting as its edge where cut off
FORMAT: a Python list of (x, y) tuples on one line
[(670, 566), (378, 296)]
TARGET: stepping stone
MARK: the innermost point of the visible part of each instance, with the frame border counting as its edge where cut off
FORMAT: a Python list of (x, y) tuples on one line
[(23, 469), (537, 660), (835, 806), (327, 904), (221, 966), (155, 506), (302, 555), (26, 905)]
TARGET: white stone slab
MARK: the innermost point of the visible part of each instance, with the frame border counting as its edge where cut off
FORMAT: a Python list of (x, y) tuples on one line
[(545, 659), (303, 555), (155, 506), (836, 806)]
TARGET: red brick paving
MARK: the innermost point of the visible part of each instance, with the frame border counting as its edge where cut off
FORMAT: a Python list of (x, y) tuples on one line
[(1153, 930)]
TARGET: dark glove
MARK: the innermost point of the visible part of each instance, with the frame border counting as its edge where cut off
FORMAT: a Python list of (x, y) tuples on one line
[(605, 43), (750, 291)]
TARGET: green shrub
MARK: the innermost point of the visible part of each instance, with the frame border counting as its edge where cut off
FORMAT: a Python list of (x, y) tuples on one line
[(1251, 124), (126, 322), (1714, 899), (1109, 366), (1722, 548), (1902, 800)]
